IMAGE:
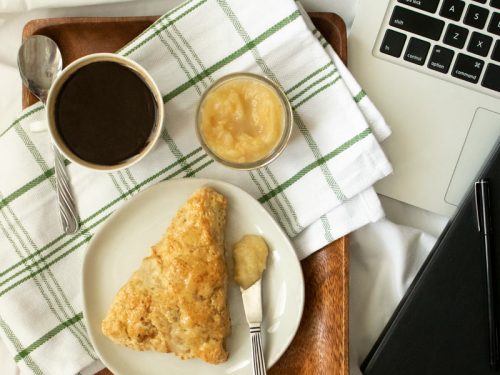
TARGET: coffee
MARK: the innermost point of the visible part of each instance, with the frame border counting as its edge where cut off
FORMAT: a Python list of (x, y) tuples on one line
[(105, 113)]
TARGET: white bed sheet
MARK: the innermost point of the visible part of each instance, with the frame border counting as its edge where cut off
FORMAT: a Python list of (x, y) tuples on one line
[(384, 256)]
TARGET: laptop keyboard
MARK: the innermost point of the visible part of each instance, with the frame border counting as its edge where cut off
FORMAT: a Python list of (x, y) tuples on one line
[(459, 40)]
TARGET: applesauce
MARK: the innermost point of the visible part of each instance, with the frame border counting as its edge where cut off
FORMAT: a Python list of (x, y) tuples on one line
[(250, 258), (243, 120)]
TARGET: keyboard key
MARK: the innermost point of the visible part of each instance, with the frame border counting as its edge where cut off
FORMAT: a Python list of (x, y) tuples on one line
[(393, 43), (467, 68), (417, 50), (494, 26), (452, 9), (496, 52), (476, 16), (455, 36), (440, 59), (491, 77), (495, 3), (479, 44), (416, 23), (427, 5)]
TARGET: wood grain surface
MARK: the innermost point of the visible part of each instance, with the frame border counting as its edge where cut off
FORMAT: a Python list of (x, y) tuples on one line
[(321, 344)]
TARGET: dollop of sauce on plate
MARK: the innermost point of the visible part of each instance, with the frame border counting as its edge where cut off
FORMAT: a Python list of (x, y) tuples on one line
[(250, 258), (242, 120)]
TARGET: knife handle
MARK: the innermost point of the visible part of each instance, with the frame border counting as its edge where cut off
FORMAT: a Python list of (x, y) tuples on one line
[(259, 364)]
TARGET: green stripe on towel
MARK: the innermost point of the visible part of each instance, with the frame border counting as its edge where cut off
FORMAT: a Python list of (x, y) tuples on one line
[(233, 56), (314, 164), (42, 340)]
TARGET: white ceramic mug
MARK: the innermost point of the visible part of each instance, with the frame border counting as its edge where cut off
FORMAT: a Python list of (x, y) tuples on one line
[(68, 72)]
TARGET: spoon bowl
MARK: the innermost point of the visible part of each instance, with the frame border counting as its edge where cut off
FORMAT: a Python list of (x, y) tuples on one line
[(39, 61)]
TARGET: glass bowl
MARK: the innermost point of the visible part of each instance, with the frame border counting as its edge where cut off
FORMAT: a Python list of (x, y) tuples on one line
[(286, 131)]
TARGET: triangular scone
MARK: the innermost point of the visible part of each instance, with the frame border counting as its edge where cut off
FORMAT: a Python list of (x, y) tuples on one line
[(177, 300)]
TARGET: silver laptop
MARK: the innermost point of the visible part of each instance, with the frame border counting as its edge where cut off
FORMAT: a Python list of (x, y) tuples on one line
[(432, 67)]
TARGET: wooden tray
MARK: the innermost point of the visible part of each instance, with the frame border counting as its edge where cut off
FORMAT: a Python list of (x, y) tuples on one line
[(321, 343)]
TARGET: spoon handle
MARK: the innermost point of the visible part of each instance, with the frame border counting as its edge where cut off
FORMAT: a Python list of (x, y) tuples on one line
[(67, 207)]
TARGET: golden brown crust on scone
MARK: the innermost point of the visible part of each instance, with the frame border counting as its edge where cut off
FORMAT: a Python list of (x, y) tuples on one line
[(177, 300)]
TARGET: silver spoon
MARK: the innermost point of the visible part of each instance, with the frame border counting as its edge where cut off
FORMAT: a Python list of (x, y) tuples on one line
[(39, 61)]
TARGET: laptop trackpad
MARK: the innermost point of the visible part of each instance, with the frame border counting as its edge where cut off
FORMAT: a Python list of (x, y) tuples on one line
[(482, 136)]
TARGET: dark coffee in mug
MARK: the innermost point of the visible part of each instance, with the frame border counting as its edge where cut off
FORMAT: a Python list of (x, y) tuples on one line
[(105, 113)]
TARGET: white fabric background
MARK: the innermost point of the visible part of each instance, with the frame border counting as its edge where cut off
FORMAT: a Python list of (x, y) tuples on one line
[(384, 256)]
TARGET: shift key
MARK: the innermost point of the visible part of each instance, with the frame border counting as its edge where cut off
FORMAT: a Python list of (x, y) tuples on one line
[(417, 23)]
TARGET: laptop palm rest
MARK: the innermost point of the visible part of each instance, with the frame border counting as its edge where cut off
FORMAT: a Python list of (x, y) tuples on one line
[(481, 137)]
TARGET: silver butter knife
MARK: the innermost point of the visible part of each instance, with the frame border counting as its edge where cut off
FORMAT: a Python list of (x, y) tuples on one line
[(252, 302)]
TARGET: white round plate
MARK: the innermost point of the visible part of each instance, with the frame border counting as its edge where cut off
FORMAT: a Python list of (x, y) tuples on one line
[(117, 249)]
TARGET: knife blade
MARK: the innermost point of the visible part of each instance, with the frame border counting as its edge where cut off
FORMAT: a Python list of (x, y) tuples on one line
[(252, 302)]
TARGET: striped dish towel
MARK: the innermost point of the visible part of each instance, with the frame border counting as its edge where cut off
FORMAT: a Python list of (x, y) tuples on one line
[(318, 189)]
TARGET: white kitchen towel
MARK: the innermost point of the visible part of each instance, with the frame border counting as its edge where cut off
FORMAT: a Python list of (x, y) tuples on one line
[(363, 208), (332, 157)]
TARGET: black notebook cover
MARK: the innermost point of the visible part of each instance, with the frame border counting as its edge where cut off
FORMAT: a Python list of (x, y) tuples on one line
[(441, 325)]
